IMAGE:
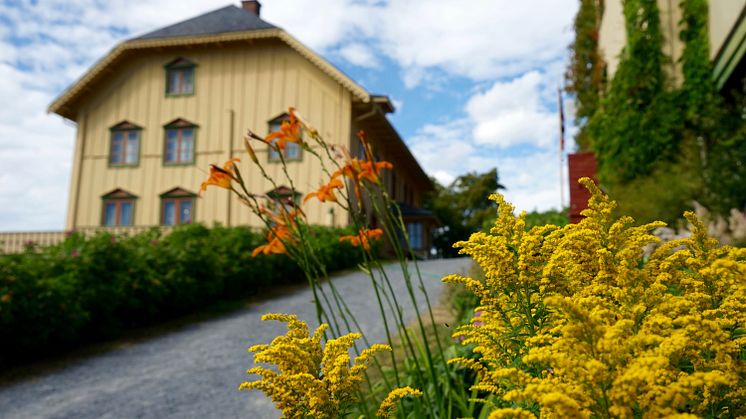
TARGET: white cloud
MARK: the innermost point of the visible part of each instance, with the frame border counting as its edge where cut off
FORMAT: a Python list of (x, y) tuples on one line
[(512, 112), (532, 180), (479, 39), (501, 124), (359, 55)]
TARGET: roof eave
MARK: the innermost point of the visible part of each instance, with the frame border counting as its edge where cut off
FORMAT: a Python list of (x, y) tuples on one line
[(61, 105)]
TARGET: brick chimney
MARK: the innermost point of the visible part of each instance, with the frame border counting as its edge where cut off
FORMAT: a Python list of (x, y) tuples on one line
[(252, 6)]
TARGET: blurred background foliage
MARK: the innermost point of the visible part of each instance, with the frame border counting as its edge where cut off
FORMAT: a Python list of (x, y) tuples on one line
[(89, 289)]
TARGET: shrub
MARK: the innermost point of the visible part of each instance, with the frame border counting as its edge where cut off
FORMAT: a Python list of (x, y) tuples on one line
[(87, 289)]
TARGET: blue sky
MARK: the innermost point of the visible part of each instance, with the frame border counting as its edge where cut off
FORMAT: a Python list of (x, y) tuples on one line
[(474, 82)]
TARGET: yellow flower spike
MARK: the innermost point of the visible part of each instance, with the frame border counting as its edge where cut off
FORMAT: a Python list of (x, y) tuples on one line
[(582, 309), (305, 379), (388, 405)]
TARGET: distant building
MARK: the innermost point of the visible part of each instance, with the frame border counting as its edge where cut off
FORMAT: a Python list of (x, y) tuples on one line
[(158, 109), (727, 31)]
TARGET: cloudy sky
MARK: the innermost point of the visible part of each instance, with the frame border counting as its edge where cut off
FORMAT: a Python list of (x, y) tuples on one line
[(474, 82)]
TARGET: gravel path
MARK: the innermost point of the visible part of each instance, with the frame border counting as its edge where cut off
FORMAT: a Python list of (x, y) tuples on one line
[(194, 372)]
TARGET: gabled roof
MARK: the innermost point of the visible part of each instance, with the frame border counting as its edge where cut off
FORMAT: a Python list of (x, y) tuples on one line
[(226, 25), (227, 19)]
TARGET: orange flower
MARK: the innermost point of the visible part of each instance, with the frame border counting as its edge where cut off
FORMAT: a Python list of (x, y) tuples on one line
[(289, 131), (363, 237), (356, 170), (370, 170), (220, 177), (275, 243), (280, 232), (326, 192)]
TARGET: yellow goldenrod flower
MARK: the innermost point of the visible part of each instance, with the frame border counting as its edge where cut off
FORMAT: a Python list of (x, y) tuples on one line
[(574, 322), (388, 405), (308, 380)]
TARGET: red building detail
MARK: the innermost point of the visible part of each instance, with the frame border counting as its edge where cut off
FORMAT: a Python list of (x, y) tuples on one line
[(581, 165)]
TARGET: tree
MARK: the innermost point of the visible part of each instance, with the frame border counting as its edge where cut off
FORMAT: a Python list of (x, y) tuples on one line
[(462, 208), (585, 74)]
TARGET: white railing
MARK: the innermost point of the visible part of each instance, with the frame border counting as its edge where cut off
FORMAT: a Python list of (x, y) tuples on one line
[(17, 241)]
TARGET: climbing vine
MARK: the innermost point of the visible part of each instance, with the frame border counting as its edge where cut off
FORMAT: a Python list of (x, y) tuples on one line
[(585, 74), (634, 125), (655, 140)]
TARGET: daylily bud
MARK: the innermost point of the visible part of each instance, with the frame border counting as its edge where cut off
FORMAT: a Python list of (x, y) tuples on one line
[(250, 150)]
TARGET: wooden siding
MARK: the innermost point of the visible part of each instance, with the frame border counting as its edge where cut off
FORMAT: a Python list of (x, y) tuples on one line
[(237, 87)]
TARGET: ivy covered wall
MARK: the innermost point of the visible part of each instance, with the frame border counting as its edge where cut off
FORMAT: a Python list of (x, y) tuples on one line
[(660, 145)]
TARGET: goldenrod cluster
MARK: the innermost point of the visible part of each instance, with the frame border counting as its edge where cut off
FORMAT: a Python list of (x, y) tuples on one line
[(576, 322), (388, 405), (308, 381)]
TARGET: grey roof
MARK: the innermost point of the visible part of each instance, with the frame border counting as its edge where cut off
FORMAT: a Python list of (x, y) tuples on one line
[(227, 19)]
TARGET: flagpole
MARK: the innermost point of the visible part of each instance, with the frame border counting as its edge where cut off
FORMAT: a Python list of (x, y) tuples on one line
[(561, 146)]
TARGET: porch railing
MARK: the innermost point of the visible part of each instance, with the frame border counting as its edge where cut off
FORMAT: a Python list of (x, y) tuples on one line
[(15, 242)]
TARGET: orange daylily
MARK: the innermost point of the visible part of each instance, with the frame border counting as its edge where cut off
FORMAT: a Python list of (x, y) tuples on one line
[(275, 243), (356, 170), (280, 232), (289, 131), (363, 237), (326, 192), (220, 177)]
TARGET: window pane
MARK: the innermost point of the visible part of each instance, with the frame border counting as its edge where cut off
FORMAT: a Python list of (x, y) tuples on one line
[(133, 145), (125, 213), (292, 151), (169, 213), (188, 87), (187, 145), (116, 147), (185, 211), (110, 214), (171, 143), (170, 81), (415, 232), (273, 154)]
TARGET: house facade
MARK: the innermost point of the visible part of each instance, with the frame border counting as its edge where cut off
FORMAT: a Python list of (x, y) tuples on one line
[(155, 112), (727, 35)]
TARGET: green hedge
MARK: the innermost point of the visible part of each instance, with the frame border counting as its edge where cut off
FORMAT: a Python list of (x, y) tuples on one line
[(84, 290)]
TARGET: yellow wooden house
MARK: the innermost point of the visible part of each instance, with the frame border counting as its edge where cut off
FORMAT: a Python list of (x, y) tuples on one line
[(158, 109)]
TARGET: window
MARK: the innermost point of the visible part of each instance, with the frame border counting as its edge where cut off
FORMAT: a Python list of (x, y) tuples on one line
[(292, 150), (124, 148), (282, 195), (179, 77), (177, 207), (179, 143), (416, 237), (118, 209)]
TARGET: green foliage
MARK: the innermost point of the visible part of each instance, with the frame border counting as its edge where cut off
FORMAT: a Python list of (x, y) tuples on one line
[(634, 128), (461, 208), (90, 289), (585, 74), (661, 146), (670, 188), (553, 216)]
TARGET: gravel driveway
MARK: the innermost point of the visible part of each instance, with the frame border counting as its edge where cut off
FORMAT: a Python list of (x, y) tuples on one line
[(194, 372)]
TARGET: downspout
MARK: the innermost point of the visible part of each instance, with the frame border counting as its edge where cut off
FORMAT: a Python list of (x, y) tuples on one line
[(81, 153), (231, 130)]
